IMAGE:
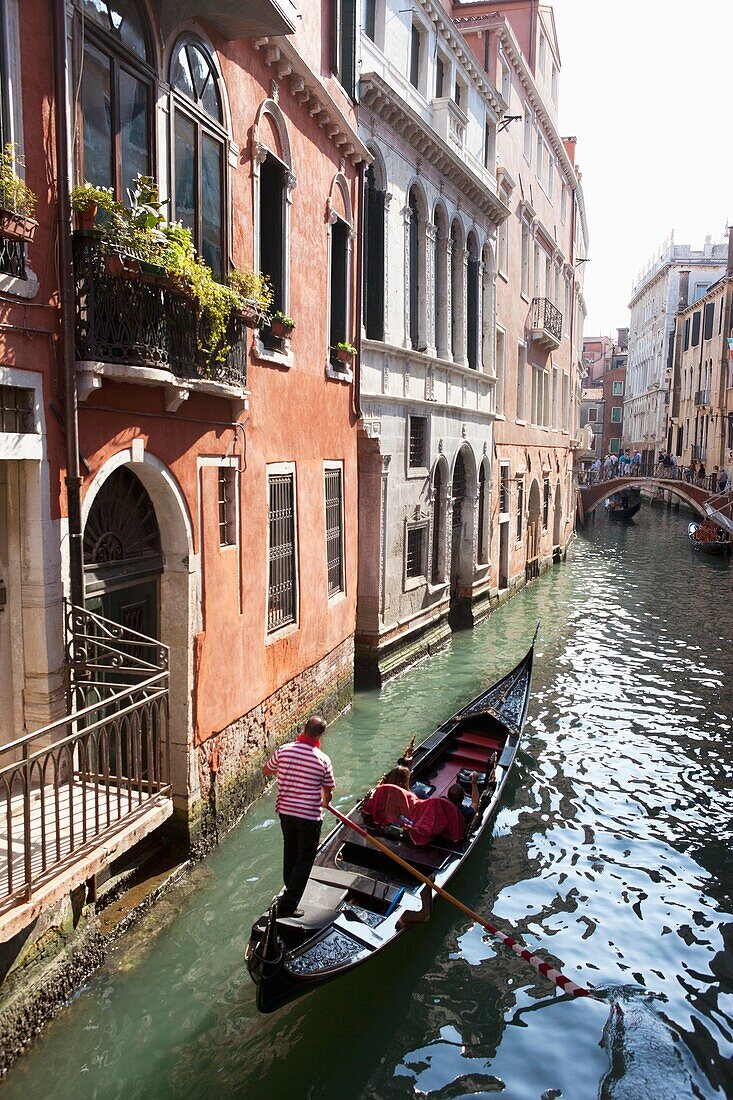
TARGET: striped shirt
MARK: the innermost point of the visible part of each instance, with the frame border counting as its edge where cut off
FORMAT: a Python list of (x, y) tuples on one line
[(301, 769)]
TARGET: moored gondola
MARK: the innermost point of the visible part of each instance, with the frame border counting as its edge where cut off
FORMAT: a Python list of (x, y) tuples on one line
[(624, 504), (357, 900), (709, 537)]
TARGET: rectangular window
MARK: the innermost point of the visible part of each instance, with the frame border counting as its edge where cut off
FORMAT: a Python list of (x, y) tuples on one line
[(334, 530), (415, 57), (439, 77), (615, 446), (282, 590), (550, 175), (500, 366), (554, 397), (227, 506), (418, 457), (525, 259), (592, 416), (616, 412), (565, 401), (520, 507), (344, 43), (339, 289), (545, 502), (709, 318), (553, 86), (695, 329), (521, 371), (540, 149), (416, 545), (504, 490), (490, 147), (618, 389), (16, 410), (687, 333), (501, 244), (370, 19), (272, 228), (563, 202), (542, 54), (536, 273), (528, 135)]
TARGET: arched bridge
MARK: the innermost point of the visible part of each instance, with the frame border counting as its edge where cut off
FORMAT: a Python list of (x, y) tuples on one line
[(594, 488)]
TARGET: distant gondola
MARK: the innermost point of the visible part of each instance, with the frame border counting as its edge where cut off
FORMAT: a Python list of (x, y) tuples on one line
[(709, 537), (624, 504), (357, 900)]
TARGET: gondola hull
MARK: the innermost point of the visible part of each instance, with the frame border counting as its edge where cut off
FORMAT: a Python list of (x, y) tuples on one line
[(708, 546), (357, 901)]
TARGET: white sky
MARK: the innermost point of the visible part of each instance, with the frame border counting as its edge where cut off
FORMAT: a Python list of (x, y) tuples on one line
[(646, 88)]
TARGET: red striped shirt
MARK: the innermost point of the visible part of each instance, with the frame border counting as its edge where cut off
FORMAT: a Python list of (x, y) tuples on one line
[(301, 770)]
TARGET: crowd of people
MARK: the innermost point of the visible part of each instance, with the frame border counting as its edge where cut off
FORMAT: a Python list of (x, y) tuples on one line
[(628, 463)]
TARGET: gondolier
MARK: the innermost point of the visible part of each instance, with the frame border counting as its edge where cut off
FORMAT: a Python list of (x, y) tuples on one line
[(304, 786)]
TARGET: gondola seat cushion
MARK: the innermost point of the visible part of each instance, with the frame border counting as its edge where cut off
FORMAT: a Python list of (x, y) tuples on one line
[(436, 817)]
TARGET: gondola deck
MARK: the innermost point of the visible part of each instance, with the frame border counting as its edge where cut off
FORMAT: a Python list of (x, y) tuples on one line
[(357, 901)]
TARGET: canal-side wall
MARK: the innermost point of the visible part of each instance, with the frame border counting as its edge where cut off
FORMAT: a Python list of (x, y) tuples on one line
[(230, 762)]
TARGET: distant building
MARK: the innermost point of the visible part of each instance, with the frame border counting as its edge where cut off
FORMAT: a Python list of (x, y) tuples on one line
[(605, 361), (591, 417), (654, 300)]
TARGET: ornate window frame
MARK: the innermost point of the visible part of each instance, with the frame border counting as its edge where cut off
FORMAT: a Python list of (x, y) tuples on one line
[(332, 216)]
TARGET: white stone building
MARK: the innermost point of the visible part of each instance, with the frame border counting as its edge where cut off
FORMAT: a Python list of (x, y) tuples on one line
[(655, 298), (429, 115)]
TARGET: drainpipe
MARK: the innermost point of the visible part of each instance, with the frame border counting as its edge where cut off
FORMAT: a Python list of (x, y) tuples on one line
[(66, 297), (359, 292)]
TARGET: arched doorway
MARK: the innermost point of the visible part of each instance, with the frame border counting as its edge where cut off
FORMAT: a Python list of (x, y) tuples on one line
[(440, 493), (557, 522), (123, 558), (463, 496), (532, 567)]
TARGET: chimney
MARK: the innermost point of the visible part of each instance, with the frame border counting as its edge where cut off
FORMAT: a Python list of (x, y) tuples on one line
[(683, 300), (570, 143)]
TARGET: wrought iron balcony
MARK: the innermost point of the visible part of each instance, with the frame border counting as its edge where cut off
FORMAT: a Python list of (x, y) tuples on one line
[(146, 321), (702, 397), (67, 791), (546, 323)]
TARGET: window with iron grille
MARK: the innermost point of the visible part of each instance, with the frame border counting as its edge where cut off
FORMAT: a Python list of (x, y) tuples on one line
[(282, 589), (418, 441), (16, 410), (227, 506), (334, 531), (504, 489), (12, 258), (416, 546), (520, 507), (545, 503)]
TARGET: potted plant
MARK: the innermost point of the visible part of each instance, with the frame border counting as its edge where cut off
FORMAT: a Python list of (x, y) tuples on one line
[(17, 201), (86, 202), (256, 294), (345, 352), (281, 325)]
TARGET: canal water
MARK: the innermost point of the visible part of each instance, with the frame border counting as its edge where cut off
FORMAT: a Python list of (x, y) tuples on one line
[(611, 855)]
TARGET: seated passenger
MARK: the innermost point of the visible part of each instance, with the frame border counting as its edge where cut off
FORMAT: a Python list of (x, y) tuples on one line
[(399, 777), (444, 818), (456, 795), (389, 803)]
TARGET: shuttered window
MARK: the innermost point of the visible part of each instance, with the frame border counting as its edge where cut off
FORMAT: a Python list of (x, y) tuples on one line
[(334, 531), (282, 589), (709, 318)]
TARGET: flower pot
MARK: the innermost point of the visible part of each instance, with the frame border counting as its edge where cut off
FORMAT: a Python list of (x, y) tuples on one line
[(346, 357), (114, 263), (251, 314), (86, 218), (281, 330), (16, 226)]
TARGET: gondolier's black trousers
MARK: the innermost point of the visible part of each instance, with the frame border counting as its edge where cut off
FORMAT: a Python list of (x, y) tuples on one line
[(300, 843)]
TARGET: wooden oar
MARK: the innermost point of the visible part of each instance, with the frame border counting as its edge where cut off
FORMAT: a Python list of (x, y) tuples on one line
[(566, 984)]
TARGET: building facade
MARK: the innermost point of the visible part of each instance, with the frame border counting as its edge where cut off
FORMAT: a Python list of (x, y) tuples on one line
[(540, 309), (604, 361), (656, 296), (428, 115), (190, 490)]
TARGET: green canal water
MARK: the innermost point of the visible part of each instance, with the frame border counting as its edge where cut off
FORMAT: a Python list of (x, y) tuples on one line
[(611, 854)]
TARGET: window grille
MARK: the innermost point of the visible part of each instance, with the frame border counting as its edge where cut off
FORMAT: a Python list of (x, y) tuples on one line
[(12, 257), (16, 410), (546, 503), (416, 551), (482, 509), (418, 434), (334, 532), (227, 506), (504, 489), (282, 588), (520, 507)]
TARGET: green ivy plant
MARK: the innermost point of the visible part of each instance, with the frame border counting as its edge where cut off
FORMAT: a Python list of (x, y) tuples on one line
[(15, 195), (346, 347), (253, 286)]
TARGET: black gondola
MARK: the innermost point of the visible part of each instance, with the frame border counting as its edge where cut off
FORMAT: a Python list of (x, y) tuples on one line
[(357, 900), (709, 537), (624, 504)]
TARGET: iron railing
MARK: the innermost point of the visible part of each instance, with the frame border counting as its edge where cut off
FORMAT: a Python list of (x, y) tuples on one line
[(146, 320), (63, 787), (702, 397), (546, 318), (655, 471)]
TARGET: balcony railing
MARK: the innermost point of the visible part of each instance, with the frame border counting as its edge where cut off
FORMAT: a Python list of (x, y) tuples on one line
[(65, 787), (146, 321), (546, 322), (702, 397)]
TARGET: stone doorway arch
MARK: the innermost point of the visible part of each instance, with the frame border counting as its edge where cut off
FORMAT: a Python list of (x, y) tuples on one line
[(534, 521), (463, 509)]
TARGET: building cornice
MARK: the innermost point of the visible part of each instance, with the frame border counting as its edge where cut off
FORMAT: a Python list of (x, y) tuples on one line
[(386, 104), (448, 30), (713, 292), (282, 57)]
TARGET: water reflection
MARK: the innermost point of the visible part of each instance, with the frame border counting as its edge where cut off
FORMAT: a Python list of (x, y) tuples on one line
[(611, 855)]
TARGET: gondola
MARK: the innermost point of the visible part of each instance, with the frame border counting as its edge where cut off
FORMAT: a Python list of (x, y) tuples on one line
[(709, 537), (624, 504), (357, 900)]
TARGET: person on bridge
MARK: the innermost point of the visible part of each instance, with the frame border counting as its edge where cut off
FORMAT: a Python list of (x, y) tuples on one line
[(701, 472), (723, 481), (636, 463), (608, 465)]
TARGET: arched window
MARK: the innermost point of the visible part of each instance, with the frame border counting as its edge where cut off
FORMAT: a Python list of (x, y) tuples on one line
[(483, 513), (374, 258), (273, 180), (440, 222), (437, 568), (457, 293), (414, 273), (116, 100), (339, 233), (472, 303), (199, 146)]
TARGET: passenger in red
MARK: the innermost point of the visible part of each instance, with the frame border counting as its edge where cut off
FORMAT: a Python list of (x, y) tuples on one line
[(304, 786)]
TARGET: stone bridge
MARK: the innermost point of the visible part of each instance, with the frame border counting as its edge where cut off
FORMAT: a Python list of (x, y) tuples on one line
[(595, 490)]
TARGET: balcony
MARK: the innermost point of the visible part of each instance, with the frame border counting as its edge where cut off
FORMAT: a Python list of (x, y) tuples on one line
[(142, 328), (546, 323), (702, 397), (450, 122), (232, 18), (78, 793)]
